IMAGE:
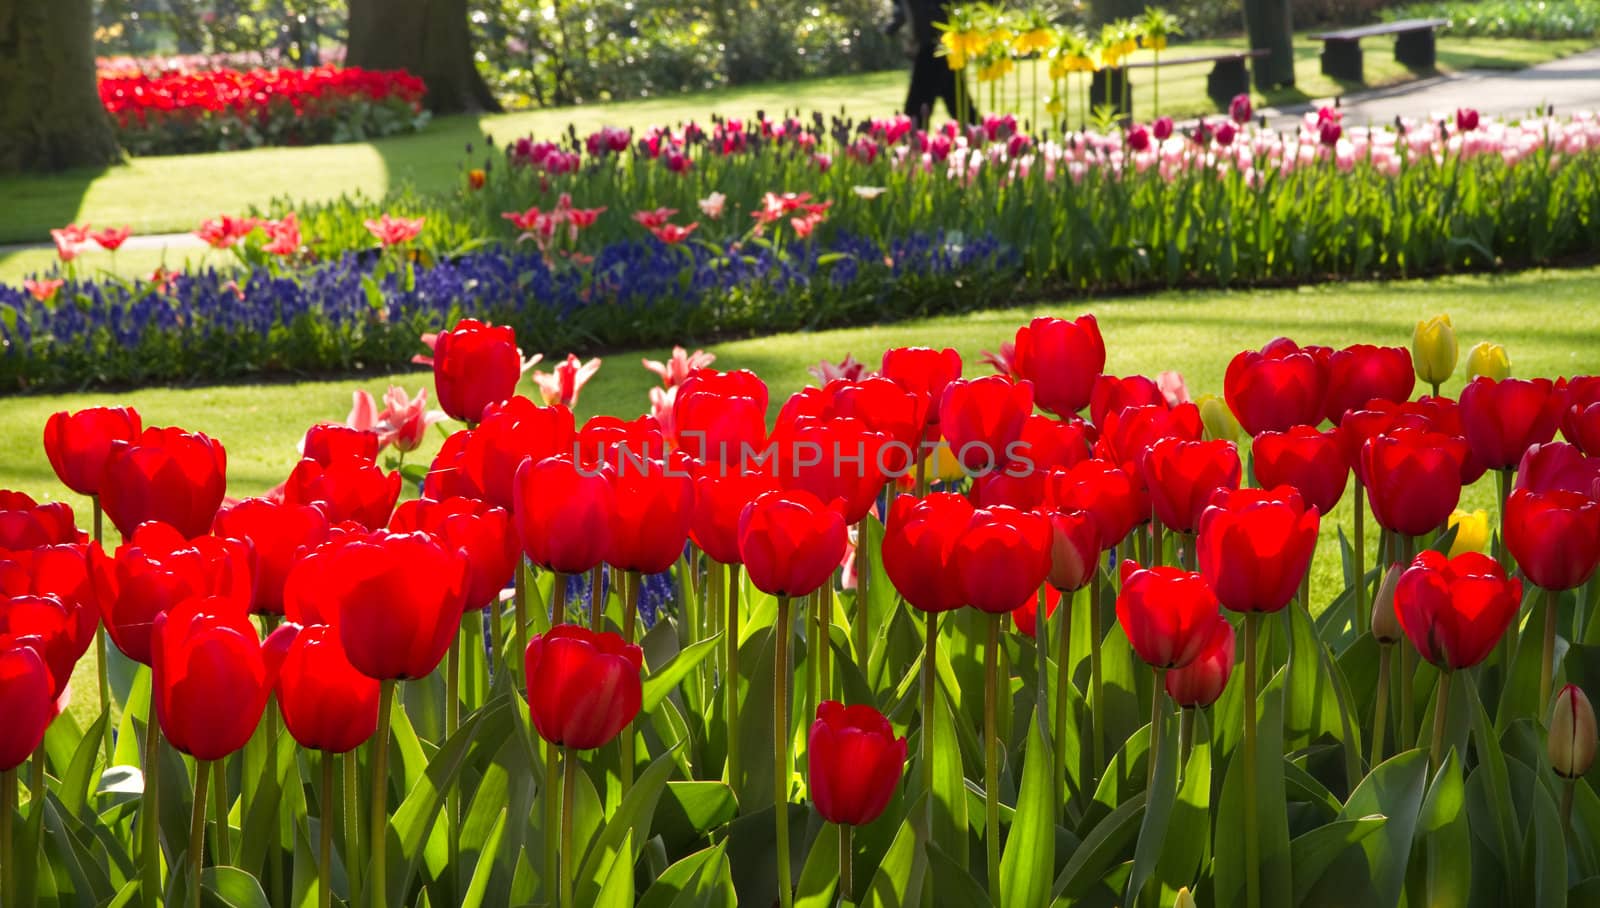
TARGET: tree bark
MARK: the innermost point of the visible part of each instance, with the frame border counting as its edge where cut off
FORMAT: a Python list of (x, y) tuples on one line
[(429, 39), (1102, 11), (51, 117), (1270, 28)]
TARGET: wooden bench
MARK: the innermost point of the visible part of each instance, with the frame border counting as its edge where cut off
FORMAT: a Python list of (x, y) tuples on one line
[(1229, 77), (1413, 46)]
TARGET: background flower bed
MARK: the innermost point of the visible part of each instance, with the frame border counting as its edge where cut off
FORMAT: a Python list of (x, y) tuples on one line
[(1509, 18), (181, 111)]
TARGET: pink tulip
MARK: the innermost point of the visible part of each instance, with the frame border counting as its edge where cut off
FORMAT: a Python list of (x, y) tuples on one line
[(561, 385)]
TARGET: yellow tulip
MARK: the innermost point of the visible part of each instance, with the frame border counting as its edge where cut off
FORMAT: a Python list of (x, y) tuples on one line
[(1472, 531), (942, 463), (1433, 349), (1488, 359), (1219, 421), (1184, 900)]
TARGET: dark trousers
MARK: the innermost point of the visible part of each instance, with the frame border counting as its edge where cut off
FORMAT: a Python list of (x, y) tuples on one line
[(931, 80)]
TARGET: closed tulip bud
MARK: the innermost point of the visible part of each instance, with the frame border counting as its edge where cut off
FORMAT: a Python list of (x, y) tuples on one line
[(1182, 477), (1580, 413), (1489, 360), (1434, 350), (1074, 550), (855, 763), (1002, 557), (563, 513), (1572, 733), (1062, 359), (790, 542), (27, 705), (719, 498), (983, 418), (1184, 900), (924, 372), (327, 705), (1219, 422), (1385, 626), (210, 678), (1279, 386), (1255, 546), (919, 542), (396, 600), (1202, 681), (1472, 531), (583, 685), (78, 444), (475, 365), (1503, 419), (169, 475), (1455, 610), (1166, 612)]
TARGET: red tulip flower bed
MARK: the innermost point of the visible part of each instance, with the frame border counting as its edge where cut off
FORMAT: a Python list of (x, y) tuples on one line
[(179, 112), (1042, 637)]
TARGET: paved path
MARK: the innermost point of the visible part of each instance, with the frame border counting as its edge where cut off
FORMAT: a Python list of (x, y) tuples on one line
[(1570, 84)]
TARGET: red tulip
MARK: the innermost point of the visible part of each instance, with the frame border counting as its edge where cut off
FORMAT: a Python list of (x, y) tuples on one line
[(327, 442), (808, 402), (26, 524), (1278, 387), (1255, 547), (27, 706), (1454, 610), (982, 418), (919, 543), (327, 705), (1128, 434), (1443, 415), (277, 535), (1311, 462), (924, 372), (350, 489), (50, 627), (78, 444), (448, 476), (1555, 536), (210, 678), (1117, 501), (399, 599), (1546, 468), (1051, 444), (60, 572), (653, 501), (1200, 683), (1502, 419), (790, 542), (890, 410), (1074, 550), (609, 439), (475, 365), (854, 763), (719, 499), (1167, 614), (721, 417), (1183, 475), (1002, 558), (481, 530), (1020, 490), (1113, 395), (1062, 359), (563, 513), (583, 686), (1361, 373), (1580, 414), (1413, 479), (511, 432), (1026, 616), (169, 475), (156, 569), (838, 460)]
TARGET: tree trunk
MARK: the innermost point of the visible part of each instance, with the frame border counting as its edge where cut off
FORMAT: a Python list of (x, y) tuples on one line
[(1101, 11), (427, 38), (50, 112), (1268, 22)]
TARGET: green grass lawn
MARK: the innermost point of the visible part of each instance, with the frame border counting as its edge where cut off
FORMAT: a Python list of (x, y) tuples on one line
[(172, 194)]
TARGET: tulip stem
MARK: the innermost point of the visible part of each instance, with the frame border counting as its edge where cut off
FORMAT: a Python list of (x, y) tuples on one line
[(1096, 684), (1252, 846), (930, 681), (597, 602), (354, 862), (1548, 655), (1063, 682), (273, 859), (1041, 658), (552, 822), (732, 680), (1566, 806), (378, 831), (452, 721), (1185, 736), (519, 616), (825, 641), (1359, 545), (149, 822), (1502, 481), (1157, 542), (219, 806), (813, 621), (1408, 670), (497, 631), (631, 583), (8, 806), (863, 604), (991, 753), (780, 747), (325, 833), (1441, 709), (1157, 725), (103, 668), (1435, 388), (1380, 718), (847, 858), (569, 798), (197, 830)]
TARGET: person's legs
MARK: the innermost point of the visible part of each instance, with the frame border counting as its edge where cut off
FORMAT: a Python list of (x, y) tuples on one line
[(925, 90)]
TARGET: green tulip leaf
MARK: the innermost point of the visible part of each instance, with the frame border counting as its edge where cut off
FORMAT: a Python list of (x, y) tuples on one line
[(1272, 824), (953, 881), (697, 881), (1101, 849), (626, 830), (231, 887), (483, 868), (1029, 859), (1446, 839), (819, 877), (1315, 851), (1162, 793), (1544, 851), (691, 810), (900, 874), (1375, 874), (662, 680), (950, 822)]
